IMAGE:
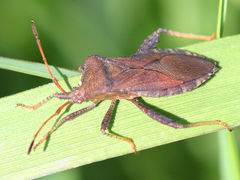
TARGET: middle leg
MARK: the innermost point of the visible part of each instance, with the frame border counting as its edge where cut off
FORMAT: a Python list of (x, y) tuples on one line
[(105, 123)]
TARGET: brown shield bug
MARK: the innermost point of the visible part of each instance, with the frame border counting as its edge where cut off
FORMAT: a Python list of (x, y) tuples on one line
[(149, 72)]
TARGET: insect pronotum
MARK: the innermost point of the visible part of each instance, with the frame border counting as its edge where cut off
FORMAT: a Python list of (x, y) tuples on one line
[(149, 72)]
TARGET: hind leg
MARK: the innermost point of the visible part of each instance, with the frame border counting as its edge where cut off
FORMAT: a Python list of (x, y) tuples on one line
[(153, 39), (169, 122)]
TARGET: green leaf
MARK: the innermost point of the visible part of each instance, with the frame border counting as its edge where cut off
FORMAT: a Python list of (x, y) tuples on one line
[(222, 11), (80, 141), (229, 158), (228, 152), (36, 69)]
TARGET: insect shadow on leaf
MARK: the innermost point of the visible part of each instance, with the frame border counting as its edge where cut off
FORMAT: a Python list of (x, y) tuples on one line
[(64, 78)]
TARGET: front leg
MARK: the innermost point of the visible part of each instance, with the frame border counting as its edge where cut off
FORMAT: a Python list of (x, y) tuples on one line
[(153, 39), (36, 106)]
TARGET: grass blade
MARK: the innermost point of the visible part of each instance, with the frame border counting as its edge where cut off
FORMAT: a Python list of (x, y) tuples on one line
[(229, 161), (80, 141), (222, 11), (228, 153), (33, 68)]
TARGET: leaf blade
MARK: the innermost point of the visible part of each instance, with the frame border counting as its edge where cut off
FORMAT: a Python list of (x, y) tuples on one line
[(80, 141), (33, 68)]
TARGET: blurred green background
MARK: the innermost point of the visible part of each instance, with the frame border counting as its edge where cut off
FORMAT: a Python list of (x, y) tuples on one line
[(72, 30)]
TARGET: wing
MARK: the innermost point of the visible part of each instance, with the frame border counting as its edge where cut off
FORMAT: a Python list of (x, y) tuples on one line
[(164, 74), (142, 80)]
